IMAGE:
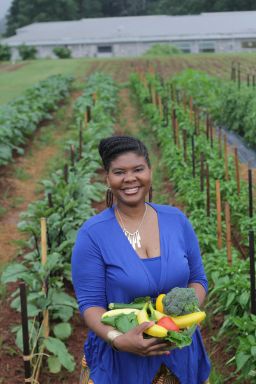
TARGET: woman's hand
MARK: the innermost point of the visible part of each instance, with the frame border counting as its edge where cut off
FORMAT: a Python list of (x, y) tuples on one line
[(134, 342)]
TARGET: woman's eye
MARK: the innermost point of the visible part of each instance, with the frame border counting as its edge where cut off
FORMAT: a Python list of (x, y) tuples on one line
[(139, 169), (118, 172)]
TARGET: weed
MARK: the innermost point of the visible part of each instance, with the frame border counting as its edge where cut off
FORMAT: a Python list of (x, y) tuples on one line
[(2, 211), (21, 174), (16, 201)]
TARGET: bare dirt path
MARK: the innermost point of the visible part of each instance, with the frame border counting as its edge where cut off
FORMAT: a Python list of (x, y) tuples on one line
[(19, 182)]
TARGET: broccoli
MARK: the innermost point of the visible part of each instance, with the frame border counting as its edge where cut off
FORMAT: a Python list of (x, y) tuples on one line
[(180, 301)]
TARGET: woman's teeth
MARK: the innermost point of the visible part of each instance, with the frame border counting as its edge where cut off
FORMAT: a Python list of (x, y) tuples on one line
[(131, 191)]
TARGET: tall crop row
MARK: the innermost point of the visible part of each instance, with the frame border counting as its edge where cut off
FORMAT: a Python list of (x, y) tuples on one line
[(230, 106), (229, 284), (20, 118), (67, 204)]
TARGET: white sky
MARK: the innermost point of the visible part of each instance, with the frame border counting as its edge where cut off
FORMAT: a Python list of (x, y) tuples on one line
[(4, 7)]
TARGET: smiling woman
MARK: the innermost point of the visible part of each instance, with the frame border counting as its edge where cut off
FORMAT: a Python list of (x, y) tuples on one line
[(135, 248)]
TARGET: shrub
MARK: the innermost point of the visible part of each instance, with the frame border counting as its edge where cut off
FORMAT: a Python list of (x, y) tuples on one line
[(26, 52), (5, 53), (162, 50), (62, 52)]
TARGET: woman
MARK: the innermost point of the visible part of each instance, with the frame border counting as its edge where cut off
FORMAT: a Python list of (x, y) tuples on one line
[(129, 250)]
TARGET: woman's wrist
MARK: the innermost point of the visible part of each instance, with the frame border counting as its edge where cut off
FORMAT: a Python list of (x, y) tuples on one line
[(111, 337)]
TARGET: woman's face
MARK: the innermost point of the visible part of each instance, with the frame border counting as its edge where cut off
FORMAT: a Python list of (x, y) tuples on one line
[(129, 178)]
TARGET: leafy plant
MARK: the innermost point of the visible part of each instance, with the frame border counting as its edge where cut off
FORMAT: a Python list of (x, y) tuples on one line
[(27, 52), (62, 52)]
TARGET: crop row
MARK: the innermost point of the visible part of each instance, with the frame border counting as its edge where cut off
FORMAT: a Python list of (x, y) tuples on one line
[(20, 118), (230, 105), (67, 204), (229, 283)]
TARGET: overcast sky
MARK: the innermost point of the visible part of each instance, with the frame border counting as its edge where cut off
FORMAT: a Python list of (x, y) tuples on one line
[(4, 6)]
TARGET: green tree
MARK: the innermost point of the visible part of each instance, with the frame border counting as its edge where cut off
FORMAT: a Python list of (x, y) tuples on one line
[(24, 12)]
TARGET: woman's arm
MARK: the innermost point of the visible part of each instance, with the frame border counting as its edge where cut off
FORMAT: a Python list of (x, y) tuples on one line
[(200, 291), (131, 341)]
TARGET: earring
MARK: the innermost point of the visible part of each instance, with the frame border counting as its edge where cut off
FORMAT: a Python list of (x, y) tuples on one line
[(150, 194), (109, 198)]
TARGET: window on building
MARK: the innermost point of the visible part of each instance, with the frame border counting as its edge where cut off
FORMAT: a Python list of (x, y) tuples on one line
[(206, 46), (184, 46), (251, 44), (104, 48)]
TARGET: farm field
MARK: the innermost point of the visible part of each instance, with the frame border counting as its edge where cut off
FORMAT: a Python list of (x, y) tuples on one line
[(49, 149)]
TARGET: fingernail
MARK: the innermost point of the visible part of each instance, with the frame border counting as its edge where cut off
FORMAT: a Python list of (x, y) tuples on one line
[(168, 353)]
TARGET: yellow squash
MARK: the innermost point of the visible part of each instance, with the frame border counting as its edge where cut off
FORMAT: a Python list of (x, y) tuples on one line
[(189, 319), (159, 302), (183, 321), (155, 330), (123, 311)]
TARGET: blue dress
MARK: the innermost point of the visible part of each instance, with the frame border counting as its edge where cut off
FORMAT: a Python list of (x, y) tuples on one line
[(105, 268)]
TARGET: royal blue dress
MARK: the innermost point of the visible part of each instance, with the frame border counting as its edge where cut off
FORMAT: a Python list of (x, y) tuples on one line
[(105, 268)]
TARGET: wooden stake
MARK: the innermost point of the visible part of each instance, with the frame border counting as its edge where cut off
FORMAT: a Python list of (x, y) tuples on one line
[(153, 94), (184, 135), (43, 241), (65, 173), (226, 157), (211, 132), (252, 272), (43, 261), (191, 109), (88, 113), (208, 196), (250, 193), (193, 156), (202, 172), (177, 133), (72, 155), (25, 331), (207, 126), (218, 206), (80, 143), (50, 203), (174, 124), (237, 170), (228, 233), (185, 102), (220, 143), (160, 106)]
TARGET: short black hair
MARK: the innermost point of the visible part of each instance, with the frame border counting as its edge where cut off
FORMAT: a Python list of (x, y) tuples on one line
[(111, 147)]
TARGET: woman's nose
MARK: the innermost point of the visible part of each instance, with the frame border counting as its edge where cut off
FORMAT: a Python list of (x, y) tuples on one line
[(129, 176)]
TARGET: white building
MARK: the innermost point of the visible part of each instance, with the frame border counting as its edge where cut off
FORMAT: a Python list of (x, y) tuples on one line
[(132, 36)]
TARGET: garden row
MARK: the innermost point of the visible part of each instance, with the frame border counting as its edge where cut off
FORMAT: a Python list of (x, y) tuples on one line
[(20, 118), (69, 194), (182, 150), (231, 104)]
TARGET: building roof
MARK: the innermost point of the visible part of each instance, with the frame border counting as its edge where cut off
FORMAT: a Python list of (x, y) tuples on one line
[(221, 25)]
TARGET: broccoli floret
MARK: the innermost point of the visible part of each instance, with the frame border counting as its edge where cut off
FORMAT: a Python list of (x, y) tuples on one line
[(180, 301)]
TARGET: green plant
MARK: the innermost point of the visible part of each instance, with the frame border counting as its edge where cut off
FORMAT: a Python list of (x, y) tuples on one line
[(26, 52), (5, 53), (162, 50), (62, 52)]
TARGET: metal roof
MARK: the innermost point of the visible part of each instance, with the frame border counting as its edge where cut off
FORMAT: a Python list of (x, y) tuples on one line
[(221, 25)]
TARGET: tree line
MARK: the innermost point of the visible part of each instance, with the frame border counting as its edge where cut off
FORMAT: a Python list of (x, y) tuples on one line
[(24, 12)]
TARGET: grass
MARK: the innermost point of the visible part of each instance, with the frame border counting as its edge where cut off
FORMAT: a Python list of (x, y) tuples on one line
[(14, 82)]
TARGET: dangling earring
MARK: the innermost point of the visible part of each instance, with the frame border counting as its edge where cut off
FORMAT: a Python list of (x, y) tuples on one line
[(150, 194), (109, 198)]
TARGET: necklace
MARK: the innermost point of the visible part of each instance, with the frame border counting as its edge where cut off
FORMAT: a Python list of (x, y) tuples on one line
[(134, 238)]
